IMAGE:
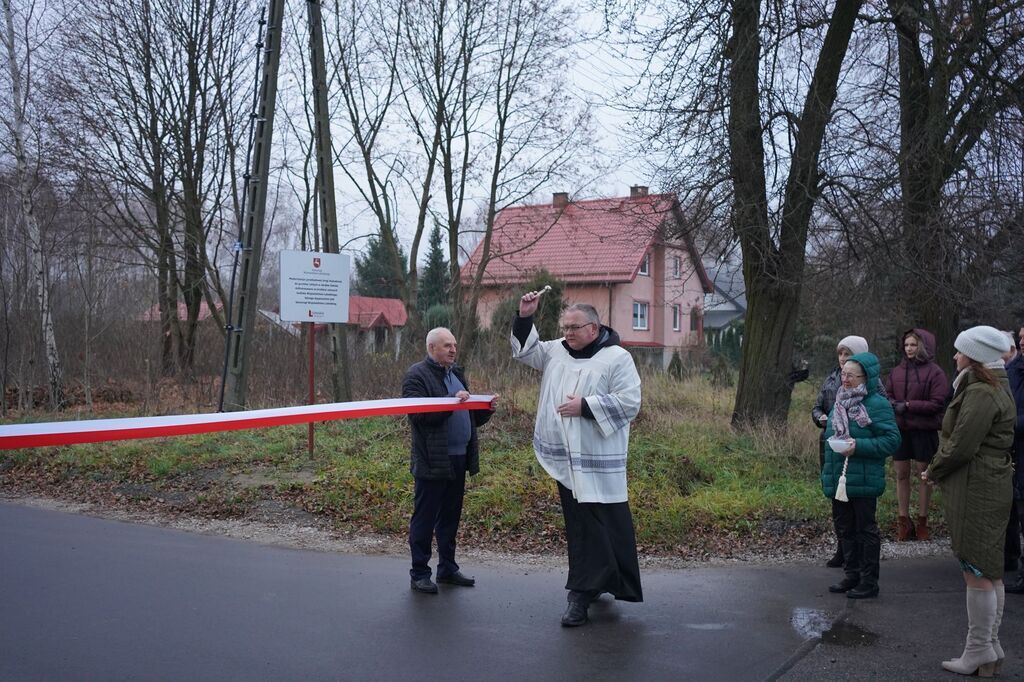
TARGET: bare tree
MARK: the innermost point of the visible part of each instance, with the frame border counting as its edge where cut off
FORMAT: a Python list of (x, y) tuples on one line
[(738, 99), (364, 64), (535, 131), (20, 50), (439, 41), (960, 65), (154, 103)]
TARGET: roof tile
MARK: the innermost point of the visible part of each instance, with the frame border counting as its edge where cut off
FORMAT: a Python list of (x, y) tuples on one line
[(596, 240)]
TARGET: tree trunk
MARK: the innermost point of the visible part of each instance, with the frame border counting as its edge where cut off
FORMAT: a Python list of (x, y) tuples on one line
[(167, 302), (55, 378), (193, 283), (773, 273), (341, 382), (923, 107)]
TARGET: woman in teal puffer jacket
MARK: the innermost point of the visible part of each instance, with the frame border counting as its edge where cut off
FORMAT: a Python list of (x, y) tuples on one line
[(863, 417)]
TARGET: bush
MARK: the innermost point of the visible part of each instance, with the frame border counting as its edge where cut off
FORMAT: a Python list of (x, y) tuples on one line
[(437, 315), (548, 314)]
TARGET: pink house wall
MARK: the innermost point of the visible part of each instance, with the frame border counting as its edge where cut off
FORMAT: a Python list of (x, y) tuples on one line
[(660, 289)]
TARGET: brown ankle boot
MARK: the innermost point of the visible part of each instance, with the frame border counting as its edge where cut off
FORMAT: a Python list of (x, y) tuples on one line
[(922, 528), (903, 528)]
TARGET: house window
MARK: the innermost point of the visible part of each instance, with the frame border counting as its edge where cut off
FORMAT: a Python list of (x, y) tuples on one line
[(639, 315), (676, 314), (677, 267), (645, 265)]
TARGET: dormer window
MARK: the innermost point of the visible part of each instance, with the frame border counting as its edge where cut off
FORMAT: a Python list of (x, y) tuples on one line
[(645, 265)]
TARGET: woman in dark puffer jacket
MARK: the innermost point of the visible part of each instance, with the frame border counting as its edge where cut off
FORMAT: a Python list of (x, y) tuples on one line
[(845, 349), (918, 390)]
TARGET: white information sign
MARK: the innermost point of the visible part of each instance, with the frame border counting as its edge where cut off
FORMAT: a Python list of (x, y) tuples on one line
[(314, 286)]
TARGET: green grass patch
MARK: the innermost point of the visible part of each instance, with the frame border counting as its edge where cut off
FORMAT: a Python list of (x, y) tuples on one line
[(687, 469)]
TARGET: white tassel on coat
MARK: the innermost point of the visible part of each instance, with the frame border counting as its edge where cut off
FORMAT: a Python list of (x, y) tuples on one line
[(841, 486)]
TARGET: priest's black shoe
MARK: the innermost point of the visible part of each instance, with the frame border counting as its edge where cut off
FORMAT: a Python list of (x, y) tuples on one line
[(845, 585), (457, 578), (425, 585), (863, 591), (575, 614)]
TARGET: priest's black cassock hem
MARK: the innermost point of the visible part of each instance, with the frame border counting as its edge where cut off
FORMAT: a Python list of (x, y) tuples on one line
[(602, 548)]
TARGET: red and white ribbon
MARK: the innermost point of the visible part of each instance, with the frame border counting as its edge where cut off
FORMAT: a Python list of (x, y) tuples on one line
[(45, 434)]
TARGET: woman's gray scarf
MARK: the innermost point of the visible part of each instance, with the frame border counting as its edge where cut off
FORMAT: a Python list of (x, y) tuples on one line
[(848, 404)]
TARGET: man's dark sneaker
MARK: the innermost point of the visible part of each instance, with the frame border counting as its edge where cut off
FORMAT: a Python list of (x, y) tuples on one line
[(424, 585), (457, 578), (1016, 587)]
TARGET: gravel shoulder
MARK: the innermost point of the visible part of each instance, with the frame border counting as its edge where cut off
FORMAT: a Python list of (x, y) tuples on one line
[(295, 534)]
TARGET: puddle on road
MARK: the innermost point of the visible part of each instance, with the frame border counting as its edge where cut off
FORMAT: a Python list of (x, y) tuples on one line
[(848, 634), (812, 623)]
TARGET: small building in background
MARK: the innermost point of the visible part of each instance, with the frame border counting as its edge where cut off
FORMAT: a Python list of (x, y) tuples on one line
[(630, 257), (728, 302), (725, 309), (378, 322), (152, 314)]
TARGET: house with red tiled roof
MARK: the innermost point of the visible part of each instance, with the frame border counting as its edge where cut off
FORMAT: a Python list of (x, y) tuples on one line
[(152, 314), (378, 321), (626, 256)]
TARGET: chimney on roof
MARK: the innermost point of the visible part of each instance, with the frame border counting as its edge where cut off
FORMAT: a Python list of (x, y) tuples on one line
[(560, 199), (637, 191)]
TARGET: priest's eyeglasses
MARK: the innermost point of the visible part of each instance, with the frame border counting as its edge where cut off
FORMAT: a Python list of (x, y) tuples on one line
[(565, 329)]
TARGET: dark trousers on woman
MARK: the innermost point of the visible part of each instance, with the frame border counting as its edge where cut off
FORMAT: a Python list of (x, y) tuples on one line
[(859, 537), (821, 467), (437, 509), (1011, 550), (602, 549), (1015, 581)]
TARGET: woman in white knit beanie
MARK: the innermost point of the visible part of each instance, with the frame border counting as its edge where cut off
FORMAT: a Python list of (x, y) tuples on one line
[(973, 469), (847, 347)]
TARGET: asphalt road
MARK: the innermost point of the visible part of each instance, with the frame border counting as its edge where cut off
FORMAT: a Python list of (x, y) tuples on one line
[(83, 598)]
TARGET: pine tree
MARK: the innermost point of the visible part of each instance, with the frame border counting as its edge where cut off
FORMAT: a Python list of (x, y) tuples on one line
[(435, 280), (374, 274)]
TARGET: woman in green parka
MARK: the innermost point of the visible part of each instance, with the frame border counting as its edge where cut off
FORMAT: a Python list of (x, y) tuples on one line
[(972, 467), (863, 419)]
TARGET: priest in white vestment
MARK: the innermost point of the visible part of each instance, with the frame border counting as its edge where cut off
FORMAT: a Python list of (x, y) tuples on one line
[(589, 394)]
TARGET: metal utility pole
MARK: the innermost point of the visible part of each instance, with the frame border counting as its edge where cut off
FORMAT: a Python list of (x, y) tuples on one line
[(244, 310), (325, 188)]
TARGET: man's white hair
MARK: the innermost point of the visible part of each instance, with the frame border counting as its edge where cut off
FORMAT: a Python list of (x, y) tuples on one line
[(434, 334)]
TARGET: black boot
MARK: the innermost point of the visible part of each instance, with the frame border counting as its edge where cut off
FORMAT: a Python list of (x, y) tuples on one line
[(863, 591), (845, 585), (1016, 587), (837, 560), (870, 558)]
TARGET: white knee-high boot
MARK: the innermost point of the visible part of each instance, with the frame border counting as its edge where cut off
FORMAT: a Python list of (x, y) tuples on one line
[(1000, 590), (979, 656)]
